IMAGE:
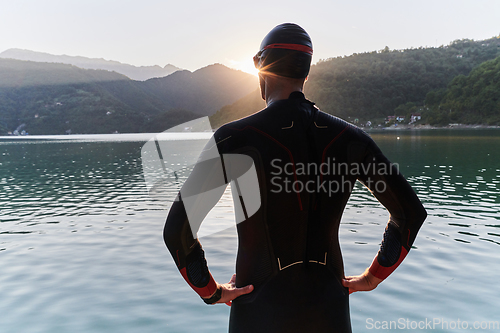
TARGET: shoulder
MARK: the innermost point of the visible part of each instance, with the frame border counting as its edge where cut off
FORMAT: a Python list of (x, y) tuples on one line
[(257, 120), (232, 134), (339, 125)]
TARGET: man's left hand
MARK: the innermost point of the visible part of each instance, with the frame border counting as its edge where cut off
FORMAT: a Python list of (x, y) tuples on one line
[(230, 291), (364, 282)]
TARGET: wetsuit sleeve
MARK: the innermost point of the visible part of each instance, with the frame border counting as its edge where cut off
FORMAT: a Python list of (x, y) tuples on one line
[(407, 214), (187, 252), (201, 191)]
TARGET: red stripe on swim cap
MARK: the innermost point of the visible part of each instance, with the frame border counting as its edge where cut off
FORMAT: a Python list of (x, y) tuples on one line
[(295, 47)]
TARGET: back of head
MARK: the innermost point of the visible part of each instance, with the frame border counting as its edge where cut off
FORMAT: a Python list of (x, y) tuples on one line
[(285, 51)]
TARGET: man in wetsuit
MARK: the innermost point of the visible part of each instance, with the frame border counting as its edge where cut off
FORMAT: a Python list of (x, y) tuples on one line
[(289, 270)]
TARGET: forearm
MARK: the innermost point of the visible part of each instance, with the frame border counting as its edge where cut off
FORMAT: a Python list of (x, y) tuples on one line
[(397, 241), (407, 215), (187, 252)]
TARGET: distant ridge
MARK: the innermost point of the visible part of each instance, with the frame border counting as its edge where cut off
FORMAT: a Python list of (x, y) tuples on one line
[(21, 73), (140, 73)]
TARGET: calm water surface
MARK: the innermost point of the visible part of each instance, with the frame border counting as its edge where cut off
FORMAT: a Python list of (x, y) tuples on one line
[(81, 246)]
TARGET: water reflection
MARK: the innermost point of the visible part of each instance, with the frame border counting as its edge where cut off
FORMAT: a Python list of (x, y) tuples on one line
[(455, 173)]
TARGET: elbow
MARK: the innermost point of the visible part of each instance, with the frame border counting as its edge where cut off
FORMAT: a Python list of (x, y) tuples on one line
[(421, 214), (166, 238), (174, 224), (171, 235), (177, 231)]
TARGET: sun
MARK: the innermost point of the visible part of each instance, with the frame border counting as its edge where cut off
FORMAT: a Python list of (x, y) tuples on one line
[(246, 65)]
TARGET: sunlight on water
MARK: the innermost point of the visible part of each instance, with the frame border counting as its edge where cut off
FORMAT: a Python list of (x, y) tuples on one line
[(82, 251)]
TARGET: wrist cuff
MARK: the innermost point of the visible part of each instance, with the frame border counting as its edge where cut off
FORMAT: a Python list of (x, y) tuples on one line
[(215, 297), (382, 272)]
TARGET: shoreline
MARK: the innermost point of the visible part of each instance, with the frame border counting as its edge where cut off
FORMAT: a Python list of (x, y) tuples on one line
[(147, 136), (430, 127)]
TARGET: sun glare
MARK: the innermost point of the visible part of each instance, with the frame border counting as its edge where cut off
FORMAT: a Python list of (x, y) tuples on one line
[(246, 65)]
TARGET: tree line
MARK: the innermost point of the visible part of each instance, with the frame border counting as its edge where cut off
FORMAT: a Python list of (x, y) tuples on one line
[(471, 99), (373, 85)]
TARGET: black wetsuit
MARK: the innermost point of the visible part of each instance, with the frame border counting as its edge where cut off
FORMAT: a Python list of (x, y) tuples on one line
[(289, 249)]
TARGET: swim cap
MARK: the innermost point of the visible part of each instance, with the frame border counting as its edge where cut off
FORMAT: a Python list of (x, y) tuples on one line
[(285, 51)]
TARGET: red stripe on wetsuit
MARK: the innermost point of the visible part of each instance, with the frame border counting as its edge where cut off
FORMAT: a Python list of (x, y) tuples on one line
[(382, 272), (204, 292)]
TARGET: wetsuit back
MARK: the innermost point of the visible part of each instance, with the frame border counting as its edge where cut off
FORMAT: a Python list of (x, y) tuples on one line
[(307, 163)]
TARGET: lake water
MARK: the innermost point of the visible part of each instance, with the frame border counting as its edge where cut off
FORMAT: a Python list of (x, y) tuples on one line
[(81, 246)]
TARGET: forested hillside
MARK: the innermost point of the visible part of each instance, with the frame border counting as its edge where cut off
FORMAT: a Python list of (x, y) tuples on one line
[(374, 85), (471, 99)]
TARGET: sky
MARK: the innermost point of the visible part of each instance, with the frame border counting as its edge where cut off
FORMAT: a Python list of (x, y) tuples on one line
[(194, 34)]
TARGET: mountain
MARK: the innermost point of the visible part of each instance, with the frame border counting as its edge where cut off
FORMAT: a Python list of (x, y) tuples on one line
[(203, 91), (51, 98), (19, 74), (374, 85), (243, 107), (140, 73)]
